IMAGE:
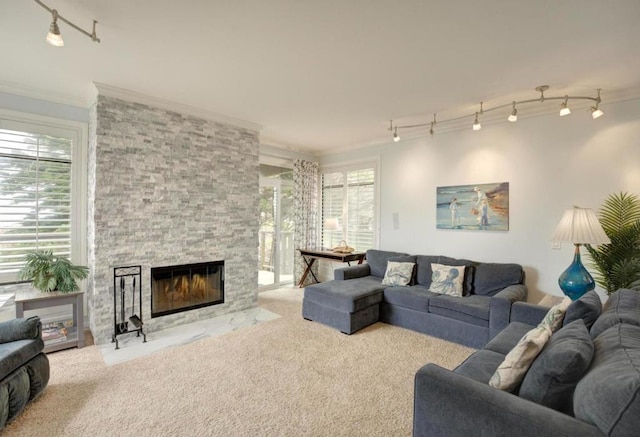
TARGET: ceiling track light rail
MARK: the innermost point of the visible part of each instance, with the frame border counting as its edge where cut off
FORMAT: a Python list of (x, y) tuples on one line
[(54, 37), (596, 112)]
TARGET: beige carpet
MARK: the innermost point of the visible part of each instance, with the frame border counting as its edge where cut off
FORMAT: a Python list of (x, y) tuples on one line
[(286, 377)]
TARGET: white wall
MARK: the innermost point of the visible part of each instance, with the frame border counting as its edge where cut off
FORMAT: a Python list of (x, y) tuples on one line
[(551, 163)]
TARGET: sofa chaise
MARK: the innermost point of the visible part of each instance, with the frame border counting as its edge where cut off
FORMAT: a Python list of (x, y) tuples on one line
[(584, 382), (356, 298), (24, 368)]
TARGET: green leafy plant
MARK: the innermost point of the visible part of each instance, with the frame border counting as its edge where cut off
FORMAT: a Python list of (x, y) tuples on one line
[(49, 272), (618, 263)]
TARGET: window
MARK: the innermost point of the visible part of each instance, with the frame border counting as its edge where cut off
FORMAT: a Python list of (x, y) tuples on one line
[(42, 196), (349, 196)]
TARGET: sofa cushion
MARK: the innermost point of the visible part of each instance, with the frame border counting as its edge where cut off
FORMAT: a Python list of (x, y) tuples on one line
[(447, 279), (398, 274), (623, 306), (608, 396), (415, 297), (350, 296), (587, 308), (16, 353), (423, 269), (481, 365), (508, 337), (512, 370), (554, 374), (19, 329), (377, 260), (472, 309), (489, 278)]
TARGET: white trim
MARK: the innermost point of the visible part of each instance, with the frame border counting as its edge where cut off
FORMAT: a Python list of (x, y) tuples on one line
[(79, 134), (46, 95), (167, 105)]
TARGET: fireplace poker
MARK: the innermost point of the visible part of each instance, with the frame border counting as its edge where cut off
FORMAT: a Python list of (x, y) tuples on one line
[(135, 320), (123, 323)]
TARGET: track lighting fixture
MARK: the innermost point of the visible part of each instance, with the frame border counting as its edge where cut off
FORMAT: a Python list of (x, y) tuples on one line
[(596, 112), (513, 117), (564, 109), (396, 138), (54, 37), (476, 123)]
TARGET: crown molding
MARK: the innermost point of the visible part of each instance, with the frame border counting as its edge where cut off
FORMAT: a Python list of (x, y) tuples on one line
[(135, 97), (41, 94)]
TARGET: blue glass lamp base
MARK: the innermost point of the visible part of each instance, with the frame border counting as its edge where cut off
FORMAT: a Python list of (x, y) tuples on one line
[(576, 280)]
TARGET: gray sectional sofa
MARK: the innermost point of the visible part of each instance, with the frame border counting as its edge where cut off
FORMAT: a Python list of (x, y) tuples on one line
[(584, 382), (24, 368), (356, 298)]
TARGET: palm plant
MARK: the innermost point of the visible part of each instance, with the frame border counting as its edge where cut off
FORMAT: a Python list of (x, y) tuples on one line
[(49, 272), (618, 263)]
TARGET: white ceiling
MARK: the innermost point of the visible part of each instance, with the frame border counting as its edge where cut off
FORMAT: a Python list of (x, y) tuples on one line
[(323, 75)]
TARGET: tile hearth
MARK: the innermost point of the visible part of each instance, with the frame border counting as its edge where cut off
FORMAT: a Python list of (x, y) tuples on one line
[(132, 347)]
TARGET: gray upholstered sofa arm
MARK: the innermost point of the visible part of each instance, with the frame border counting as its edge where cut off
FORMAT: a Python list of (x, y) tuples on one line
[(20, 329), (352, 272), (500, 307), (528, 313), (451, 405)]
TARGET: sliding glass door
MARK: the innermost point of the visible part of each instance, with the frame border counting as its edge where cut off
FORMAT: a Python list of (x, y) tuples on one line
[(275, 249)]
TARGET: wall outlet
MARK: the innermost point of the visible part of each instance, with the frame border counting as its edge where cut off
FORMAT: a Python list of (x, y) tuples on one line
[(556, 246)]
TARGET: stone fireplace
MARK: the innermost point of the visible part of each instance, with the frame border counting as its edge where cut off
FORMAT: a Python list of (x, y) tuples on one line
[(169, 188)]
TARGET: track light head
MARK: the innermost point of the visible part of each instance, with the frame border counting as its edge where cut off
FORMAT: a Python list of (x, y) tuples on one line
[(396, 138), (564, 109), (476, 123), (53, 37), (596, 112), (513, 117)]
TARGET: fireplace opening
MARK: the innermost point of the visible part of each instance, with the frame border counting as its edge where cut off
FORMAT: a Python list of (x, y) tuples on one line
[(186, 287)]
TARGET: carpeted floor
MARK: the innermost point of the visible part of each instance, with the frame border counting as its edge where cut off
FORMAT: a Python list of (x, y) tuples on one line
[(285, 377)]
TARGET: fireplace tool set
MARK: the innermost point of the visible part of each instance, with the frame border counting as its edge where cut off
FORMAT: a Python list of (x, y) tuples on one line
[(127, 279)]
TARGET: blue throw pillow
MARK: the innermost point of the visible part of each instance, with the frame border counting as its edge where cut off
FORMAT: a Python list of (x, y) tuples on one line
[(588, 308), (554, 374)]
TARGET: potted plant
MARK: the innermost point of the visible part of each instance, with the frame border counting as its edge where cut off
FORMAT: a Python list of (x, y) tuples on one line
[(49, 272), (618, 263)]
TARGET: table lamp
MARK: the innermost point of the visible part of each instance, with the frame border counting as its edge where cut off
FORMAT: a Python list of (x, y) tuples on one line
[(578, 226), (331, 224)]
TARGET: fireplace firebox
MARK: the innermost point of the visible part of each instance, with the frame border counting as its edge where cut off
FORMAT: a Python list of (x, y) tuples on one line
[(186, 287)]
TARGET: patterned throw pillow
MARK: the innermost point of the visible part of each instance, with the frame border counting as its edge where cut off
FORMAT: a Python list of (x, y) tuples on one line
[(447, 279), (515, 365), (554, 317), (398, 274)]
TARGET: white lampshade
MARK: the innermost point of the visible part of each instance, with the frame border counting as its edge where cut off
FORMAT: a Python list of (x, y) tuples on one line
[(331, 224), (580, 226)]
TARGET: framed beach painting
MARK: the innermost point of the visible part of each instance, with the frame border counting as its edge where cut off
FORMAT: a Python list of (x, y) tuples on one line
[(478, 207)]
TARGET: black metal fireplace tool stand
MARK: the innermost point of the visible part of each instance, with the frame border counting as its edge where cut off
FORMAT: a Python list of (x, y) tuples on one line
[(127, 278)]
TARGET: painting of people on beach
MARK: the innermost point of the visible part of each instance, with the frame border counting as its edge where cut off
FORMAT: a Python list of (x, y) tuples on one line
[(479, 207)]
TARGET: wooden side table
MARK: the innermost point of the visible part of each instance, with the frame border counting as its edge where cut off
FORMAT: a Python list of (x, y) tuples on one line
[(310, 256), (34, 300)]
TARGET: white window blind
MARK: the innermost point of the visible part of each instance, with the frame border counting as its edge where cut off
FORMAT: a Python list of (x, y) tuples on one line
[(35, 197), (349, 196)]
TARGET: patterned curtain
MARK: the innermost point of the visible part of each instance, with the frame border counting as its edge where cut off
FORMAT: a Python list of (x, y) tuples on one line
[(305, 183)]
